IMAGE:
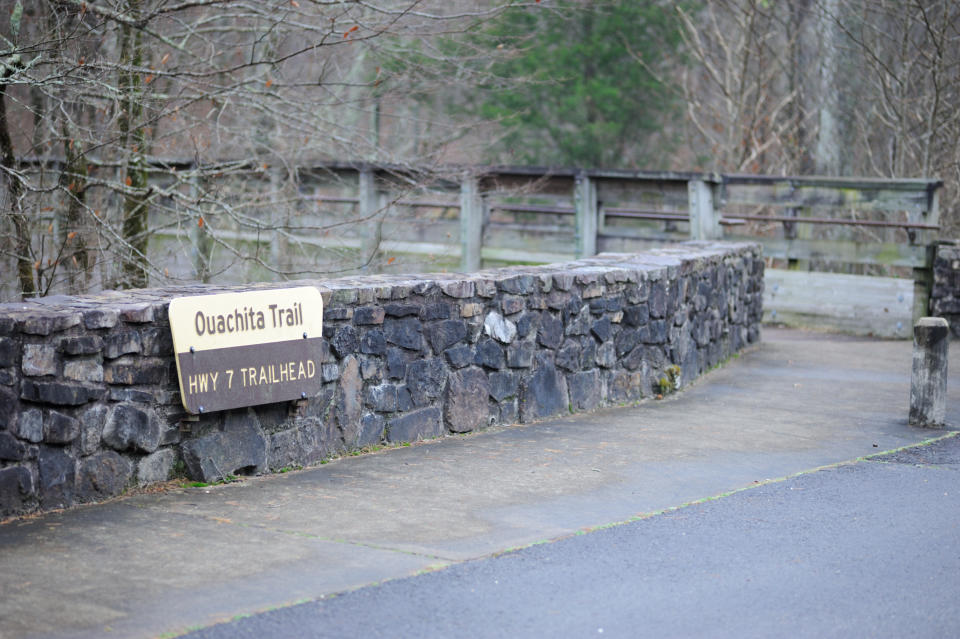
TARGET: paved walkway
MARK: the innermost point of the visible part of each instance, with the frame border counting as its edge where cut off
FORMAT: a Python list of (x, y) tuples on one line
[(154, 564)]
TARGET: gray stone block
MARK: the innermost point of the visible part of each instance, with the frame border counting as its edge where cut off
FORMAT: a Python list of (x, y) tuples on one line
[(499, 328), (11, 449), (459, 356), (489, 354), (426, 379), (503, 385), (368, 315), (132, 371), (83, 370), (568, 357), (405, 333), (59, 393), (81, 345), (348, 399), (373, 342), (122, 343), (382, 398), (424, 423), (442, 335), (437, 311), (9, 349), (240, 449), (550, 333), (371, 430), (132, 427), (586, 390), (344, 341), (60, 428), (103, 475), (156, 466), (57, 477), (16, 490), (39, 360), (465, 408), (29, 425), (543, 394), (520, 354)]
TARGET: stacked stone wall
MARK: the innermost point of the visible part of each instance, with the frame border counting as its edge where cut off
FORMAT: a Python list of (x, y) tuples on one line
[(945, 293), (89, 401)]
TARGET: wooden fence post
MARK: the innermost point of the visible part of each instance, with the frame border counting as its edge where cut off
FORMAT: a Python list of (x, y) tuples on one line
[(704, 218), (585, 202), (471, 224)]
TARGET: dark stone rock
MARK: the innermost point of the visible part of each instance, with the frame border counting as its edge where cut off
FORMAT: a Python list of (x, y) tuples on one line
[(337, 314), (39, 360), (329, 372), (550, 333), (344, 341), (138, 395), (636, 315), (103, 475), (11, 449), (122, 343), (586, 390), (57, 477), (520, 354), (156, 466), (543, 394), (401, 310), (572, 309), (132, 427), (371, 430), (459, 356), (657, 332), (510, 411), (8, 377), (432, 312), (503, 385), (404, 400), (606, 355), (16, 490), (60, 428), (373, 342), (382, 398), (602, 329), (634, 358), (49, 322), (137, 313), (511, 304), (568, 357), (368, 315), (59, 393), (626, 340), (9, 349), (29, 425), (465, 408), (405, 333), (83, 370), (370, 368), (425, 379), (425, 423), (626, 386), (396, 364), (348, 402), (99, 318), (489, 354), (137, 371), (578, 324), (588, 352), (658, 300), (527, 324), (517, 285), (240, 449), (157, 342), (443, 335), (9, 405)]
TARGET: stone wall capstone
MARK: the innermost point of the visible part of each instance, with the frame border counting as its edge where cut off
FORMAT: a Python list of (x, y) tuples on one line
[(89, 401)]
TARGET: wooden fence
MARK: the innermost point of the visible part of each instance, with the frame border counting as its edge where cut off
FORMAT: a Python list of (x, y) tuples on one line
[(820, 235)]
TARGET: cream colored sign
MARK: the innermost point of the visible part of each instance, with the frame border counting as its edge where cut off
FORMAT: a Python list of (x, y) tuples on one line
[(246, 349), (226, 320)]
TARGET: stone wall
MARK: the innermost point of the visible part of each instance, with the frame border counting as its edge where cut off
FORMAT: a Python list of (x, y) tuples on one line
[(945, 293), (89, 402)]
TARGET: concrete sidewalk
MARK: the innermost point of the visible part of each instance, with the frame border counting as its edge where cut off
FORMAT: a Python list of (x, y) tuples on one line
[(155, 564)]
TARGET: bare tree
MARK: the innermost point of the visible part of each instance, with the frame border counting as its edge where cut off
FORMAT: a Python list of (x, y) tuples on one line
[(137, 136)]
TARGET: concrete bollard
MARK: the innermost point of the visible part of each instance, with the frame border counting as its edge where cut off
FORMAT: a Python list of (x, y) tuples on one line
[(928, 383)]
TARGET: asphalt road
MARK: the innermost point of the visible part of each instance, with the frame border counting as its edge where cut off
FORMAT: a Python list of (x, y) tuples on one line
[(863, 549)]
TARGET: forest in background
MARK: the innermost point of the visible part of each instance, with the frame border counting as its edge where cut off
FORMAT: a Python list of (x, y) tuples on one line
[(121, 120)]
